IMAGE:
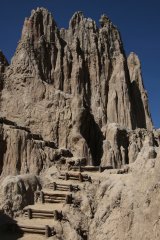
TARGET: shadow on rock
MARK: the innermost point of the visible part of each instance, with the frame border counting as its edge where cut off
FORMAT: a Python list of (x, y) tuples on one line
[(9, 229), (93, 136)]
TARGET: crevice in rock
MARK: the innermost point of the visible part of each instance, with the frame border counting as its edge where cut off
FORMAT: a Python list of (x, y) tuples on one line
[(63, 44), (3, 149), (130, 95), (110, 71), (138, 105), (19, 160), (93, 136), (87, 86), (123, 143)]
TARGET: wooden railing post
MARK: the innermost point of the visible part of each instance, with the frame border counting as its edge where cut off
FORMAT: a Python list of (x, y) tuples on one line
[(70, 198), (56, 215), (47, 231), (66, 176), (42, 197), (70, 188), (67, 200), (29, 213), (54, 186), (80, 177)]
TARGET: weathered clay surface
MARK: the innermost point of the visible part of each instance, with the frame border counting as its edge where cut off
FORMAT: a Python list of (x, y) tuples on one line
[(67, 84), (121, 146), (121, 206), (71, 97), (140, 99), (127, 205), (22, 152), (18, 192), (3, 65)]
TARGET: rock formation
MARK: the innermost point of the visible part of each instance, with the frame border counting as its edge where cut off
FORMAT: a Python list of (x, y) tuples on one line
[(18, 191), (68, 84), (140, 98), (22, 152), (3, 63), (70, 98)]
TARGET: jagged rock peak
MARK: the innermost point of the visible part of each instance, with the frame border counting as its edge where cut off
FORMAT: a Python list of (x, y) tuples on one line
[(80, 81), (40, 10), (133, 60), (3, 62), (104, 20), (80, 22), (36, 53), (40, 23), (77, 15), (76, 19), (134, 66)]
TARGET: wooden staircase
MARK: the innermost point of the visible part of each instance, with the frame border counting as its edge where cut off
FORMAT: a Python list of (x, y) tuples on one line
[(53, 195)]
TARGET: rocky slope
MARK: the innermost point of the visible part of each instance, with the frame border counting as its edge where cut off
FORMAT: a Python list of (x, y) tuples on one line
[(115, 205), (127, 206), (71, 96), (22, 152)]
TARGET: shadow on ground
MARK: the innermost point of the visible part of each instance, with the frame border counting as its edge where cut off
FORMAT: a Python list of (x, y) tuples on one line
[(9, 229)]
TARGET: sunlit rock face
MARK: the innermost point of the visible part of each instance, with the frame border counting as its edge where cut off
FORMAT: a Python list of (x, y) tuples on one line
[(70, 84), (140, 98), (70, 98)]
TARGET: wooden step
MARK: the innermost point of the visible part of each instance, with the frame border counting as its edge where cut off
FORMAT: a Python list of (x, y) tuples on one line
[(63, 187), (55, 198), (75, 176), (38, 213), (46, 230)]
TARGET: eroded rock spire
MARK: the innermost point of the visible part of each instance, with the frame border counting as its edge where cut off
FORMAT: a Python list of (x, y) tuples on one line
[(69, 84), (140, 98)]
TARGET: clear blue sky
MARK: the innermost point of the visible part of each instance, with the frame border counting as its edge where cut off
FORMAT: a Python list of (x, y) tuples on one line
[(138, 22)]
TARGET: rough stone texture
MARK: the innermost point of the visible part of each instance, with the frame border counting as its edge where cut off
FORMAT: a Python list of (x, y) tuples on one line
[(71, 96), (67, 84), (22, 152), (121, 146), (18, 192), (140, 98), (119, 206), (3, 65), (128, 205)]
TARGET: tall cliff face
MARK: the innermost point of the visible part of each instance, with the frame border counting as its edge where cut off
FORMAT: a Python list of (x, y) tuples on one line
[(68, 84), (140, 98), (22, 152), (74, 88)]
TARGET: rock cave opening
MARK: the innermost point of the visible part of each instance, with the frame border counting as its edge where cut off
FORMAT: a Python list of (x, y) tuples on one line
[(93, 136)]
